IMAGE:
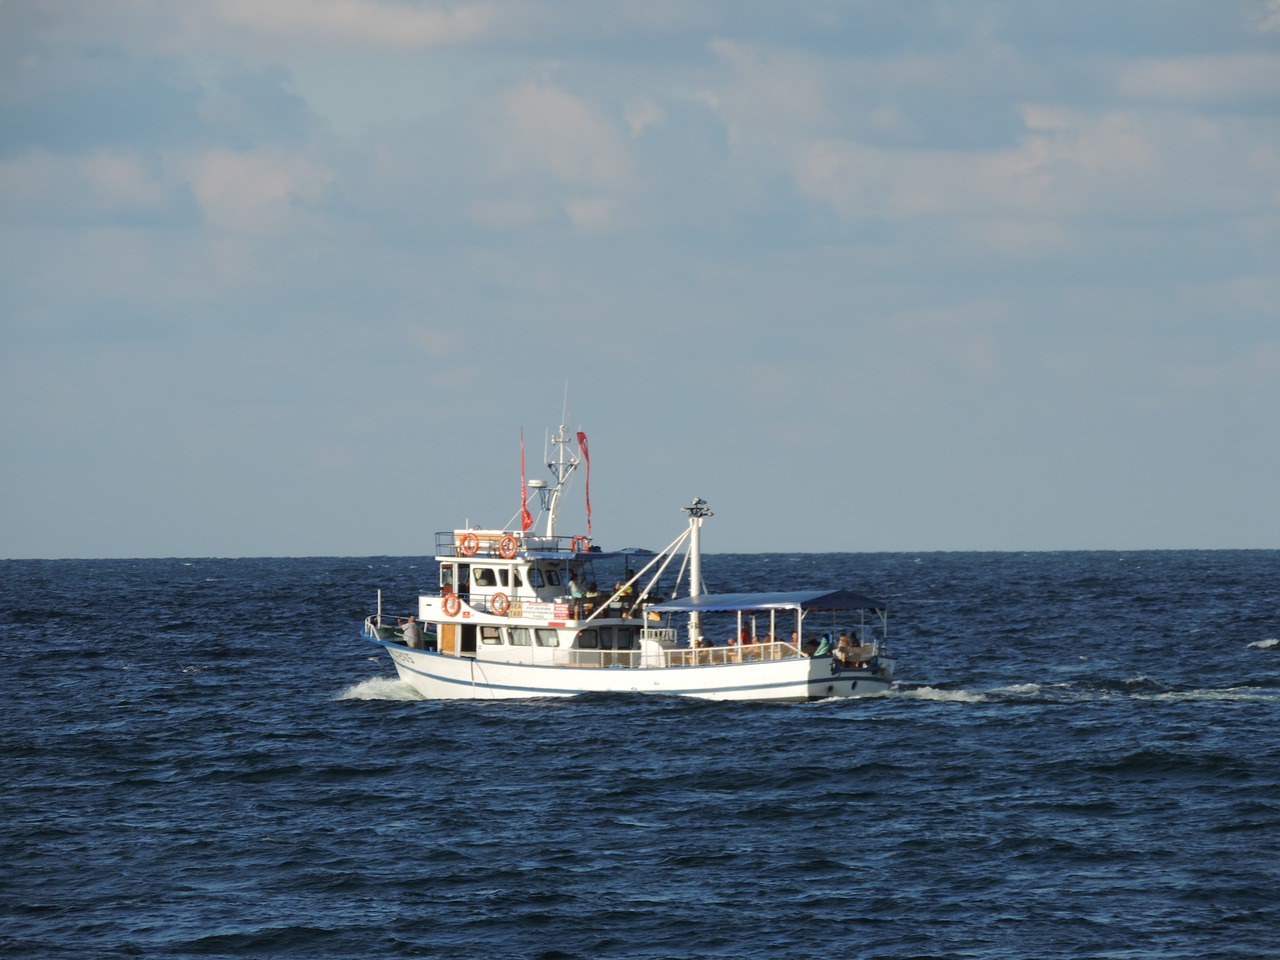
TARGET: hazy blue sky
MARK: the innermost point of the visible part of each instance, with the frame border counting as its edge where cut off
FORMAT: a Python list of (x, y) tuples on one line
[(289, 277)]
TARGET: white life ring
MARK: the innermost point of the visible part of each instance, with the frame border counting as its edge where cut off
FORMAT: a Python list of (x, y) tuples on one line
[(508, 547), (499, 604), (469, 544), (452, 604)]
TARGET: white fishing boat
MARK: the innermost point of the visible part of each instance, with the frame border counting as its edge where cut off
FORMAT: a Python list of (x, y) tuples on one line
[(516, 614)]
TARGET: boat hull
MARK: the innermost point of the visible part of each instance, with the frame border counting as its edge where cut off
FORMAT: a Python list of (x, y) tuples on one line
[(440, 676)]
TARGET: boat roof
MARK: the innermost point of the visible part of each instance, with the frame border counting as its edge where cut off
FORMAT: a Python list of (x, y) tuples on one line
[(777, 600)]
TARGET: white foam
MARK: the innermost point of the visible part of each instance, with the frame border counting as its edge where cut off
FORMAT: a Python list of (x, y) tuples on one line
[(1019, 688), (932, 693), (380, 688), (1266, 644), (1234, 694)]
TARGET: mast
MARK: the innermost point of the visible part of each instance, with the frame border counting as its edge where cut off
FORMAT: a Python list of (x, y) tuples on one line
[(698, 512), (565, 462)]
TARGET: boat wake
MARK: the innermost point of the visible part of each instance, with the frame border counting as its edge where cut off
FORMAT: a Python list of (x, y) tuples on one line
[(379, 688), (1140, 688), (1272, 644), (937, 694)]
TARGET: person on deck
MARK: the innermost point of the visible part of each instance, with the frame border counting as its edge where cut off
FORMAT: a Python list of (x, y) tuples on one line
[(575, 594), (412, 632), (844, 651)]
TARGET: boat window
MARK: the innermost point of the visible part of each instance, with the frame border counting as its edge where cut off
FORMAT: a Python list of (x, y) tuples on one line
[(521, 637), (515, 578), (503, 578), (548, 637), (588, 640), (483, 577), (535, 576), (553, 577), (491, 635), (606, 638), (626, 638)]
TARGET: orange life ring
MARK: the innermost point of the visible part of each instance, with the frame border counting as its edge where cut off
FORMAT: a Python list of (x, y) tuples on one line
[(452, 604), (469, 544), (499, 604), (580, 544), (508, 546)]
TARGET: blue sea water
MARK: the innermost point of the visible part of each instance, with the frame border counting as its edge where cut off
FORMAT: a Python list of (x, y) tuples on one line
[(1081, 759)]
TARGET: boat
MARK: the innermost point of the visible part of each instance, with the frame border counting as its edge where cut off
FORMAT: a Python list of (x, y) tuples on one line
[(517, 613)]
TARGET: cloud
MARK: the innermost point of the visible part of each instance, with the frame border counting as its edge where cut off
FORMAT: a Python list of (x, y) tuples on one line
[(104, 186), (545, 131), (1241, 80), (258, 192), (768, 92), (348, 23), (641, 114)]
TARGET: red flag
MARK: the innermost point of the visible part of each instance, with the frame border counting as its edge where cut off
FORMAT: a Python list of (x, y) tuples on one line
[(526, 518), (582, 445)]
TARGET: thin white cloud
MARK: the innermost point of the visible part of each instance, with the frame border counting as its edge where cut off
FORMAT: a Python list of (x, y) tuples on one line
[(373, 23), (769, 91), (641, 114), (260, 192), (545, 130), (1200, 80), (263, 27)]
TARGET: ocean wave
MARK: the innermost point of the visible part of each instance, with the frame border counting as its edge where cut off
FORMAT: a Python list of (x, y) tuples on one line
[(1234, 694), (379, 688), (933, 693)]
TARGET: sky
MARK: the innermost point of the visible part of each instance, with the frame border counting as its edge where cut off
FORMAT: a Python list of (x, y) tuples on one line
[(291, 278)]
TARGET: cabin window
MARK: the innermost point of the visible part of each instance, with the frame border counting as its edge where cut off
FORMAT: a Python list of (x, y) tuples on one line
[(606, 638), (553, 577), (515, 578), (483, 577), (626, 638), (535, 576), (503, 578), (491, 635), (548, 637), (521, 637), (588, 640)]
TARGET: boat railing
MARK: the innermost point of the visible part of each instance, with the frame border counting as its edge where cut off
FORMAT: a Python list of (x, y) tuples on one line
[(667, 636), (681, 656), (492, 543), (732, 653), (387, 628)]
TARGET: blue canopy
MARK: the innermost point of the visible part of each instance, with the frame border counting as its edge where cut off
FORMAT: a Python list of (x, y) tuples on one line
[(780, 600)]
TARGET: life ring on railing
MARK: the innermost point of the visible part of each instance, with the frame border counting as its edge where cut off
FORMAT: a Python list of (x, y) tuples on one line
[(580, 544), (452, 604), (468, 545), (499, 604), (508, 546)]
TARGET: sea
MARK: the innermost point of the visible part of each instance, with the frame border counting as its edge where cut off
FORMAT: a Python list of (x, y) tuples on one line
[(1080, 759)]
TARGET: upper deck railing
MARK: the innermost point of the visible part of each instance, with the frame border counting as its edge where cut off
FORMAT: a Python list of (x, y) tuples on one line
[(504, 544)]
